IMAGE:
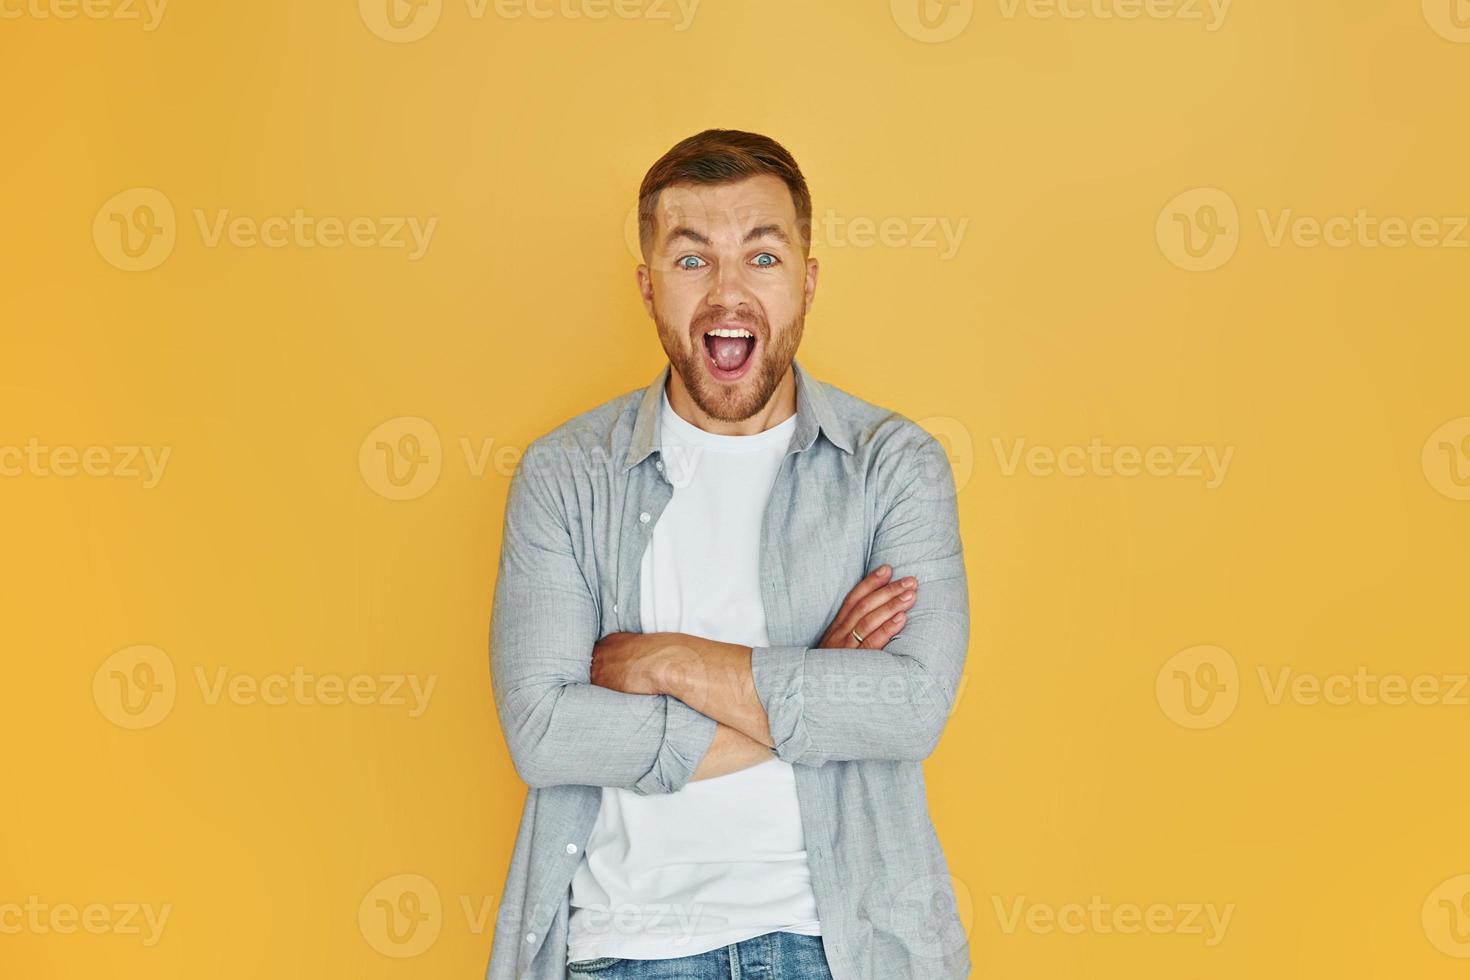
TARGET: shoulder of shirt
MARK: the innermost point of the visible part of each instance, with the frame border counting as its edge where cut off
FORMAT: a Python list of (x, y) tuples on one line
[(875, 431), (601, 435), (597, 436)]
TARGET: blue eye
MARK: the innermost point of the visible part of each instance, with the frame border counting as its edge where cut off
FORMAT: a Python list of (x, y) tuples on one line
[(683, 262), (765, 255)]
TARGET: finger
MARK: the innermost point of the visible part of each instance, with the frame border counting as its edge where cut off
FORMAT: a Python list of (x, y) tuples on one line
[(866, 612), (879, 598), (885, 612), (878, 639), (873, 580)]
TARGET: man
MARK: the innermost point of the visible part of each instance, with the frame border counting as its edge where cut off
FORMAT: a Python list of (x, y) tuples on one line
[(723, 735)]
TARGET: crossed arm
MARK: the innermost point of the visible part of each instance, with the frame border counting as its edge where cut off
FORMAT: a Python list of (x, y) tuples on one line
[(715, 678), (650, 712)]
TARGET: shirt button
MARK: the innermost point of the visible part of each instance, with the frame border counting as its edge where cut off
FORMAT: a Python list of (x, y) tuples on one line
[(530, 937), (571, 848), (643, 518), (615, 607), (659, 465)]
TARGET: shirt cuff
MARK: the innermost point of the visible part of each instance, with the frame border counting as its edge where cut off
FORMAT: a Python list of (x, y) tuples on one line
[(687, 737), (779, 674)]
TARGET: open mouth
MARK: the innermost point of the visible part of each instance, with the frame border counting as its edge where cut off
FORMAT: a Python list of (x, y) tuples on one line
[(729, 352)]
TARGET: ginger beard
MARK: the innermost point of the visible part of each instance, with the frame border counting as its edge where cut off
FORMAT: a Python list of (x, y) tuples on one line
[(738, 400)]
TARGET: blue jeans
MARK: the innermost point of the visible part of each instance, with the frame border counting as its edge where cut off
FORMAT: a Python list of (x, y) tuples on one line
[(774, 956)]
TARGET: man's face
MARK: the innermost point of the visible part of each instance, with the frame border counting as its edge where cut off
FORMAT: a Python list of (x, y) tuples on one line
[(728, 285)]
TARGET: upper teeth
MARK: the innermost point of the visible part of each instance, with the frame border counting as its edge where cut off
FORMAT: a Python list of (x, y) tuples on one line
[(726, 332)]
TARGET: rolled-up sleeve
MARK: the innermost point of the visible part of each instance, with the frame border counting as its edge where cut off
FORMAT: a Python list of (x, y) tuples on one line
[(561, 728), (843, 704)]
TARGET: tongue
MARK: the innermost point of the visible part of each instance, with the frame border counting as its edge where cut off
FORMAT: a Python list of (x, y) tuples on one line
[(730, 352)]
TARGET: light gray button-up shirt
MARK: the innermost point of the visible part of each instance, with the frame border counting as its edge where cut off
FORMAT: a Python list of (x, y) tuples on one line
[(860, 486)]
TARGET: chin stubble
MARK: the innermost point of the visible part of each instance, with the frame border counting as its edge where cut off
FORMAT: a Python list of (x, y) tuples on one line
[(763, 377)]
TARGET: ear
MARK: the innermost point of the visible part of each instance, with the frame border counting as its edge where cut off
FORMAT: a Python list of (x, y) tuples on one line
[(645, 288), (810, 289)]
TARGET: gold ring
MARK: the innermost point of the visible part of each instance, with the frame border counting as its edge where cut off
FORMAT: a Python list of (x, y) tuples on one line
[(856, 636)]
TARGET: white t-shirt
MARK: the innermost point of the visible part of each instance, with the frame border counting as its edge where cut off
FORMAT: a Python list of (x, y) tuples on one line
[(723, 859)]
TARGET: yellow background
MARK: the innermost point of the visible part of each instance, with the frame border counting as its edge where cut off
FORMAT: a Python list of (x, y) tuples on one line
[(1335, 540)]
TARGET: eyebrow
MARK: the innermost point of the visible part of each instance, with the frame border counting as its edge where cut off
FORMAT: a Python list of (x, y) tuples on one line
[(759, 231)]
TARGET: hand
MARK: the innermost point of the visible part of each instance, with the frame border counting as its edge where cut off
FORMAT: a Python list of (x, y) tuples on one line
[(875, 608), (627, 662)]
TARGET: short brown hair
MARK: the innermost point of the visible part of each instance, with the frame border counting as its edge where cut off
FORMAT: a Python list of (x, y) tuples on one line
[(718, 156)]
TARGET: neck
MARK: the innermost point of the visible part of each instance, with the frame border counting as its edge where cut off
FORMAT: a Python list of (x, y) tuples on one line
[(777, 409)]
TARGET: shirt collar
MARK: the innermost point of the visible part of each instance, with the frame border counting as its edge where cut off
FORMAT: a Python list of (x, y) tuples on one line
[(813, 414)]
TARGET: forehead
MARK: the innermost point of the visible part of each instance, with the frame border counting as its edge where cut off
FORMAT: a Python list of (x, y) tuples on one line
[(728, 208)]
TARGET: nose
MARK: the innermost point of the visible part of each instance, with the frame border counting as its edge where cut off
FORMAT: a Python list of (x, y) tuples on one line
[(727, 288)]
